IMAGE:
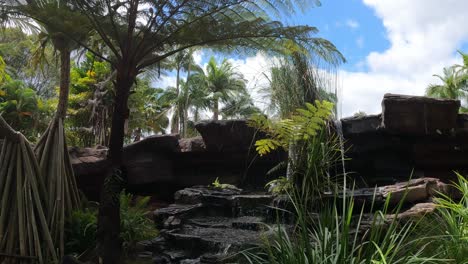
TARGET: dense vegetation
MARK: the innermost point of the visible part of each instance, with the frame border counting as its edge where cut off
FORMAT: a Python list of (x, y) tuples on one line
[(85, 73)]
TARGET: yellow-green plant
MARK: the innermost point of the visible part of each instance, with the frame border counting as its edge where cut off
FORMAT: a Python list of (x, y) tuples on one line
[(303, 125)]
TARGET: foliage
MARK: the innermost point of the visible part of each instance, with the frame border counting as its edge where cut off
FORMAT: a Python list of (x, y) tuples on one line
[(298, 79), (281, 185), (303, 125), (446, 230), (136, 225), (28, 62), (219, 185), (23, 109), (331, 237), (454, 84), (80, 232), (221, 83)]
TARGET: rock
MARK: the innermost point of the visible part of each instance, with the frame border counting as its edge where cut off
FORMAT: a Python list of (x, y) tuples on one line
[(195, 144), (415, 212), (226, 135), (360, 125), (417, 115), (414, 191), (205, 194), (148, 161), (89, 166), (174, 210)]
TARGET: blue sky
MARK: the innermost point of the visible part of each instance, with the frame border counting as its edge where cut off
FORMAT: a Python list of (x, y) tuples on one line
[(350, 25), (392, 46)]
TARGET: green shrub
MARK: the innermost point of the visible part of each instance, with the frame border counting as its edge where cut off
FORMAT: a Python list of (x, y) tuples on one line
[(136, 226), (80, 231)]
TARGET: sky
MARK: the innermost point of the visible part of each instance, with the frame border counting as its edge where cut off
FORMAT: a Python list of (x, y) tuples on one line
[(391, 46)]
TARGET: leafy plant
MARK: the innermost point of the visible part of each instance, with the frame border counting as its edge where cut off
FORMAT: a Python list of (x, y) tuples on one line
[(341, 234), (80, 231), (303, 125), (135, 223), (219, 185), (282, 185)]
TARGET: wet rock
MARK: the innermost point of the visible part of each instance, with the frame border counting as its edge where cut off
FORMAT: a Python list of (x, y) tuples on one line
[(174, 210), (417, 115), (206, 194), (195, 144)]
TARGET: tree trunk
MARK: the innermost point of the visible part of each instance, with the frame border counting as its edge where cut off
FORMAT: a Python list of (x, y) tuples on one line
[(175, 126), (64, 83), (108, 235), (186, 106), (216, 109)]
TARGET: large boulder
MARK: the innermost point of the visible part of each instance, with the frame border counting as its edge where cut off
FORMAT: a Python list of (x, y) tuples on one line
[(194, 144), (226, 135), (418, 115), (90, 166), (360, 125), (149, 161)]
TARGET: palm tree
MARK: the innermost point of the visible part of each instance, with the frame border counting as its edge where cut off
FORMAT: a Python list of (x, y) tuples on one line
[(451, 86), (240, 106), (142, 33), (181, 61), (58, 20), (222, 83)]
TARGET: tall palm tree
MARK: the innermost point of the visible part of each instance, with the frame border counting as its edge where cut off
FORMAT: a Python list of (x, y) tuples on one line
[(222, 83), (58, 20), (141, 33)]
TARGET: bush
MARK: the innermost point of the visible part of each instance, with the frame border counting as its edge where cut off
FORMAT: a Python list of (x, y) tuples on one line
[(136, 226)]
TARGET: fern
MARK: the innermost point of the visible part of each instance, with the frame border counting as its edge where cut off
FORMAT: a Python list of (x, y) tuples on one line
[(304, 124)]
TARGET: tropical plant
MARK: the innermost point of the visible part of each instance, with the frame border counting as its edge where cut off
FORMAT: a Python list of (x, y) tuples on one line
[(296, 80), (136, 224), (80, 231), (222, 82), (140, 34), (453, 84), (28, 62), (342, 233), (446, 230), (302, 126)]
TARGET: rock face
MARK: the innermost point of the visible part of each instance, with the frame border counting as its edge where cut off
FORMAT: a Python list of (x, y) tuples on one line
[(161, 165), (226, 135), (212, 225), (418, 115), (414, 136)]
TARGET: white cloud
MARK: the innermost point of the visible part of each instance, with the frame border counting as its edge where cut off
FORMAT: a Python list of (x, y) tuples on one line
[(198, 56), (256, 70), (423, 36), (351, 23)]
